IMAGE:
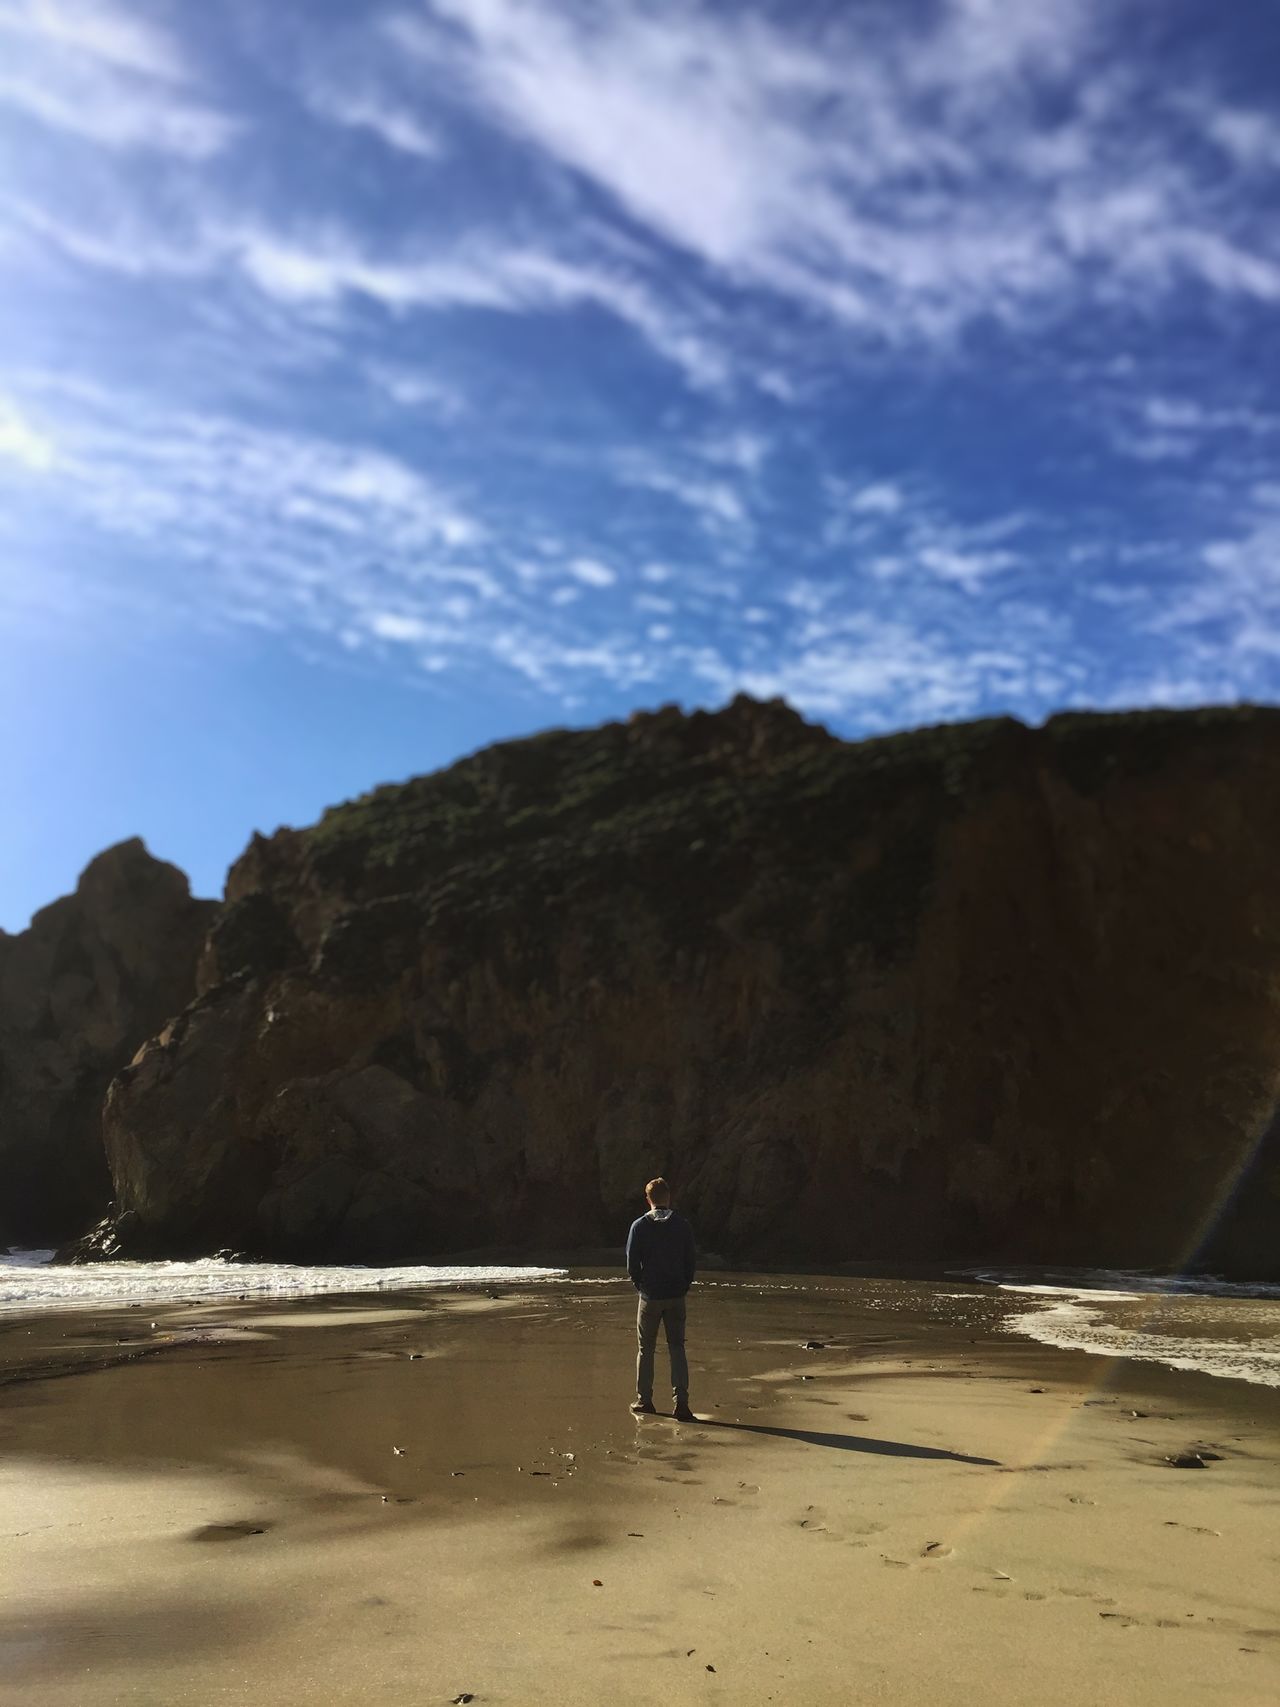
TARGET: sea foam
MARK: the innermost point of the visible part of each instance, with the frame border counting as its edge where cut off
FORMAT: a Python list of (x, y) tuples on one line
[(1182, 1321), (30, 1280)]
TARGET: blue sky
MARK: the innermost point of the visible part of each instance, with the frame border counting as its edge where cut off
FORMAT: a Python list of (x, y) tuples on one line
[(378, 380)]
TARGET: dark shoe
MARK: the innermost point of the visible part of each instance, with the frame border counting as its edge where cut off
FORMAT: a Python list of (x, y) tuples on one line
[(643, 1408), (684, 1414)]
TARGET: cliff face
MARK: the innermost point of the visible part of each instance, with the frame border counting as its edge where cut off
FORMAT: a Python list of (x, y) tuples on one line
[(977, 992), (96, 974)]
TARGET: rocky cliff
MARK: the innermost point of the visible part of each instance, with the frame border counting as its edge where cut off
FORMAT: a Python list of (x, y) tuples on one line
[(979, 992), (97, 973)]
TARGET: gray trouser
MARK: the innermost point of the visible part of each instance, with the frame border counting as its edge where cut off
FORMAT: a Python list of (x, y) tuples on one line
[(670, 1313)]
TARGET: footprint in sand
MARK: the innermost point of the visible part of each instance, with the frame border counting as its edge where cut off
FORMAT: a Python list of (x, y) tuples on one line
[(868, 1528), (932, 1552)]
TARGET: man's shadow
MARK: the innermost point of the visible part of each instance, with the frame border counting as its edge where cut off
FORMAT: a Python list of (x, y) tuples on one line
[(851, 1442)]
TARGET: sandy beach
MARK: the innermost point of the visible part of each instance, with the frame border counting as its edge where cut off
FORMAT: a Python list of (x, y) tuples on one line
[(426, 1497)]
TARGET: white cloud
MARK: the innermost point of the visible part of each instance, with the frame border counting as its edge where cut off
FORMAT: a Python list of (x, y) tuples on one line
[(967, 569), (1222, 613), (1250, 139), (413, 388), (592, 573), (548, 660), (104, 73), (1164, 428), (337, 546), (717, 503), (885, 672), (881, 498), (268, 509), (906, 182), (362, 108), (745, 451), (477, 274), (349, 548), (389, 625), (135, 251), (99, 30), (812, 597), (892, 539), (323, 269), (21, 442)]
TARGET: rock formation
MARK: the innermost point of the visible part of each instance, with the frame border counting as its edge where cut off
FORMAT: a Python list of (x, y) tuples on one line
[(97, 973), (972, 993)]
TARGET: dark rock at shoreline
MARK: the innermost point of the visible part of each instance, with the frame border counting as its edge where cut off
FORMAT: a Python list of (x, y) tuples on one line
[(975, 993), (94, 976)]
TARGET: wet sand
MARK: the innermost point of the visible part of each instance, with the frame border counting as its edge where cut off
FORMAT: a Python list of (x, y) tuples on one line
[(214, 1509)]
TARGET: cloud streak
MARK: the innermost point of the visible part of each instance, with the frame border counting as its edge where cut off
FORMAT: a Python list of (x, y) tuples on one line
[(104, 74), (905, 184)]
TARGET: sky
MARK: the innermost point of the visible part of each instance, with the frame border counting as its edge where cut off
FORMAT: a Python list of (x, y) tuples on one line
[(381, 379)]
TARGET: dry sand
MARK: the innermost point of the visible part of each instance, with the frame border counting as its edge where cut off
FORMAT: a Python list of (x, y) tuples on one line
[(940, 1513)]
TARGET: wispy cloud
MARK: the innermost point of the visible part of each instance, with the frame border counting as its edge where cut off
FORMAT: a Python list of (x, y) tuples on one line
[(99, 30), (905, 183), (1163, 428), (897, 536), (378, 113), (592, 573), (412, 387), (1249, 138), (21, 441), (717, 501), (325, 269), (880, 498), (108, 75)]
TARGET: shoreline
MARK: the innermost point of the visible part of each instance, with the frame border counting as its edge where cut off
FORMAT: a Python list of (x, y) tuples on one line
[(1138, 1315), (926, 1503)]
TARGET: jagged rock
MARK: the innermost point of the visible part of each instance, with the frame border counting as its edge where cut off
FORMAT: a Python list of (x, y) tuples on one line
[(976, 992), (94, 976), (251, 935)]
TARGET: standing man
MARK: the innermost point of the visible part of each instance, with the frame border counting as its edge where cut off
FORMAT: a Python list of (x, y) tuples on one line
[(661, 1260)]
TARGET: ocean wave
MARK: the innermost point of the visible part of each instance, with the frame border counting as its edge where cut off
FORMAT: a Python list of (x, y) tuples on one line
[(1080, 1323), (30, 1280), (1119, 1283)]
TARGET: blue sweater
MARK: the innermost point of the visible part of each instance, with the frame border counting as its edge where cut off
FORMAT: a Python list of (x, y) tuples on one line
[(661, 1256)]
